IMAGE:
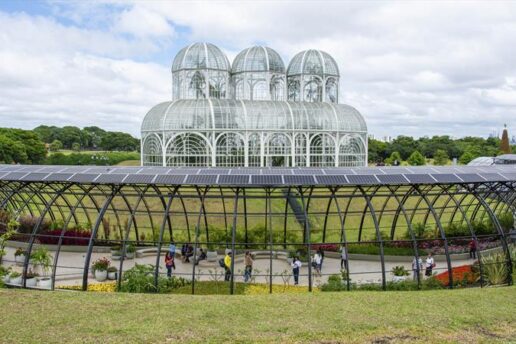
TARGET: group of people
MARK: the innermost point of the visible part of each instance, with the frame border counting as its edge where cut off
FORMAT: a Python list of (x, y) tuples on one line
[(418, 266)]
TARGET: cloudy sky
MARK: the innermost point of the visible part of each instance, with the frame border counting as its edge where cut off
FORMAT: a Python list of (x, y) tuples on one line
[(411, 68)]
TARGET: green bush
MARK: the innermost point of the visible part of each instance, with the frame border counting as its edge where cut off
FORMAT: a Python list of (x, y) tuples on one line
[(140, 279), (494, 268), (101, 159), (506, 221)]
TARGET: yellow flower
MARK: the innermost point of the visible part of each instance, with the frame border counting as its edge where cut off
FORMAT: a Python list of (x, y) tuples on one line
[(107, 287), (257, 289)]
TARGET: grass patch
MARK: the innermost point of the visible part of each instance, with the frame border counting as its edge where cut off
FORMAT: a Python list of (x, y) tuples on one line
[(468, 315)]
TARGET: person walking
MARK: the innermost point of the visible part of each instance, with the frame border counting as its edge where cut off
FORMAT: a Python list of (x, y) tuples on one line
[(343, 258), (227, 266), (172, 247), (430, 264), (296, 266), (473, 249), (169, 263), (316, 263), (321, 254), (417, 267), (248, 262)]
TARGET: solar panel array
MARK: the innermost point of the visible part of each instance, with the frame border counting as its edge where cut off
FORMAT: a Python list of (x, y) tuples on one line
[(248, 176)]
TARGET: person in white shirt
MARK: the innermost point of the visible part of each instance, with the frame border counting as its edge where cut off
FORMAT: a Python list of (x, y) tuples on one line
[(430, 264), (343, 258), (417, 267), (296, 266), (317, 262)]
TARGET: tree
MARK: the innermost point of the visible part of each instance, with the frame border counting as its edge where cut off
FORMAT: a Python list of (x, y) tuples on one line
[(504, 144), (69, 135), (26, 146), (112, 141), (377, 150), (440, 157), (394, 159), (11, 151), (56, 145), (466, 158), (76, 146), (416, 159), (405, 145)]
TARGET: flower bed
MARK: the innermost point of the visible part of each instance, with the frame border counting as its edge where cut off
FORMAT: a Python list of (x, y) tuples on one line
[(107, 287), (462, 276), (70, 237)]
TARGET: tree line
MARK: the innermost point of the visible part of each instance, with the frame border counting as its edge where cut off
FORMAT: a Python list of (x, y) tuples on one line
[(439, 148), (32, 146)]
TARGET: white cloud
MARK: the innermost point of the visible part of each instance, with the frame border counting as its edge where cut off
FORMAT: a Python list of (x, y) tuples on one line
[(417, 68)]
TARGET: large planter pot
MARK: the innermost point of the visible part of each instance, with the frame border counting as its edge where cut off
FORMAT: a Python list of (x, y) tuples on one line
[(290, 260), (112, 275), (129, 255), (20, 259), (211, 256), (15, 280), (101, 275), (30, 282), (6, 278), (45, 282), (399, 278)]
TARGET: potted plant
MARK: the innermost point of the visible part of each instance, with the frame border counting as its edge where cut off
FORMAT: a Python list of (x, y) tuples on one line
[(400, 273), (15, 278), (19, 256), (99, 268), (112, 273), (30, 279), (41, 258), (129, 251), (116, 252), (44, 282), (4, 273)]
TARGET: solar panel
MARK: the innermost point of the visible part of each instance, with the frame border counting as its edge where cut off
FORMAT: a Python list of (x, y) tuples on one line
[(201, 179), (213, 171), (395, 170), (420, 178), (370, 171), (245, 171), (153, 170), (492, 177), (308, 171), (332, 180), (299, 180), (58, 177), (509, 176), (183, 171), (34, 177), (392, 179), (470, 177), (266, 180), (110, 178), (281, 171), (126, 170), (98, 170), (83, 177), (338, 170), (169, 179), (14, 175), (362, 179), (446, 178), (233, 179), (139, 179)]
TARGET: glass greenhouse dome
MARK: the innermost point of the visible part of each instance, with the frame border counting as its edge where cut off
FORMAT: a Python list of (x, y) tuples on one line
[(253, 113)]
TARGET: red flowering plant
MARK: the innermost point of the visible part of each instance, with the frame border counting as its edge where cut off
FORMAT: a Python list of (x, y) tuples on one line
[(100, 264), (462, 276), (325, 247)]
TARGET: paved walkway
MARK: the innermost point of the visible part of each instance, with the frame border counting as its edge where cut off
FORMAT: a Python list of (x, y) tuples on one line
[(71, 266)]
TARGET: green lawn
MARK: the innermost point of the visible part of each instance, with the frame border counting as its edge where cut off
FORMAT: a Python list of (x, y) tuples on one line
[(467, 315)]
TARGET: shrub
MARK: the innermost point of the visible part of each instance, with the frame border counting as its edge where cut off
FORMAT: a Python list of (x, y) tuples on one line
[(140, 279), (506, 221), (100, 264), (77, 237), (399, 271), (41, 257), (494, 268)]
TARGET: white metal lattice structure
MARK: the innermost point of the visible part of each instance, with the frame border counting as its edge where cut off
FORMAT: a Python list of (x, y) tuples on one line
[(258, 73), (313, 76), (220, 132), (223, 115)]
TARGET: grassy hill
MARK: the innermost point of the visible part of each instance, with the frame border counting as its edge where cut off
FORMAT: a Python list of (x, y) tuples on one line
[(467, 315)]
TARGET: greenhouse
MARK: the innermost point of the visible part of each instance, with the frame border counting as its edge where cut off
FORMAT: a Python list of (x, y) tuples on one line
[(96, 228), (253, 113)]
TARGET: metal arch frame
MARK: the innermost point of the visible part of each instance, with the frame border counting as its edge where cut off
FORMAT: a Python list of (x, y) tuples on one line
[(377, 229), (343, 238), (35, 229), (114, 191), (471, 230), (441, 231), (166, 218), (501, 233), (132, 220), (65, 227), (197, 231), (306, 240), (410, 229)]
